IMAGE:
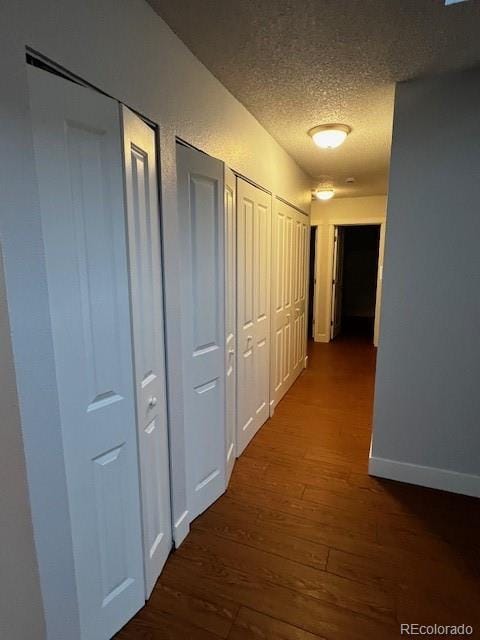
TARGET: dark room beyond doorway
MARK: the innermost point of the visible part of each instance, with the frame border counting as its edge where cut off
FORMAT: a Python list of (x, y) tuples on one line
[(355, 284)]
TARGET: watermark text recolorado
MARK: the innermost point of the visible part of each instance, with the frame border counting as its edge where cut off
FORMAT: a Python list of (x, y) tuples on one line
[(434, 630)]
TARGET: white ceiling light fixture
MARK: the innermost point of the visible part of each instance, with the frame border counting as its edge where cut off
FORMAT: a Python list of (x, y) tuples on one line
[(324, 194), (329, 136)]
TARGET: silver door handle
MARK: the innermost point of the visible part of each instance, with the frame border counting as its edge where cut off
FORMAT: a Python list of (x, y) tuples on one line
[(152, 401), (249, 340), (231, 352)]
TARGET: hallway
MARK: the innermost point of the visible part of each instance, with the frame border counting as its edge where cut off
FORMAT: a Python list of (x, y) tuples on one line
[(305, 544)]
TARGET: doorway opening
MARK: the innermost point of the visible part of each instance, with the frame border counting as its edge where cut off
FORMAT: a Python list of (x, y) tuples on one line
[(311, 283), (354, 282)]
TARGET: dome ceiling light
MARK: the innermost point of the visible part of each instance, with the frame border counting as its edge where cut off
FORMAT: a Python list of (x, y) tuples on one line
[(329, 136), (324, 194)]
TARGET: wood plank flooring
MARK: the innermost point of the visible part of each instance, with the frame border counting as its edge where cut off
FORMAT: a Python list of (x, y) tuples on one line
[(305, 545)]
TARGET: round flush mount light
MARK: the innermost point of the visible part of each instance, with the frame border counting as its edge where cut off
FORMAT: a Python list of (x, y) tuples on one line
[(329, 136), (324, 194)]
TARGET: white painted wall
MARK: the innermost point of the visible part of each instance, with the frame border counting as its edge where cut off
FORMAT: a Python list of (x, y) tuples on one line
[(325, 215), (125, 49), (427, 403)]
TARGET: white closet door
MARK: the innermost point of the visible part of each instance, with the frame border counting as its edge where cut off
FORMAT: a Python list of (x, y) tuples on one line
[(201, 202), (79, 168), (148, 339), (253, 310), (301, 243), (282, 301), (289, 259), (230, 318)]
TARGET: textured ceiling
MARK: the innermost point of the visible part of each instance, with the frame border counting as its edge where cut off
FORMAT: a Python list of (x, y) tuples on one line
[(298, 63)]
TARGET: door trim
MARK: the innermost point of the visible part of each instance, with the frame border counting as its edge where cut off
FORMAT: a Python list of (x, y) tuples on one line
[(252, 182), (289, 204), (349, 222)]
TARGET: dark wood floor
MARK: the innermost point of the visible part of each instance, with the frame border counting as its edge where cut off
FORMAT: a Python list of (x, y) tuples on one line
[(306, 545)]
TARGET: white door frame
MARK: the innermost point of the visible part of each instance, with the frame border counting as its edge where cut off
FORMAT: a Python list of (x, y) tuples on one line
[(351, 222), (315, 278)]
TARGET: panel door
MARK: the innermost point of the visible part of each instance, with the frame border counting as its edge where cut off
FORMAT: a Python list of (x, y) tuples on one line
[(141, 188), (230, 318), (289, 286), (301, 242), (283, 226), (79, 169), (200, 181), (253, 310), (337, 282)]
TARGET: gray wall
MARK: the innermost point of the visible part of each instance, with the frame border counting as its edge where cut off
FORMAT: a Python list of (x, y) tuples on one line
[(21, 616), (427, 402)]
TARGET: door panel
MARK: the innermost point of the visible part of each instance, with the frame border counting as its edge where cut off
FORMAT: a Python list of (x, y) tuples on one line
[(289, 247), (230, 318), (79, 169), (253, 310), (200, 181), (300, 302), (148, 337)]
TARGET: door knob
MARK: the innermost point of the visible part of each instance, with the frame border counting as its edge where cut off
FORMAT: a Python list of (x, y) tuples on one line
[(231, 352), (152, 401)]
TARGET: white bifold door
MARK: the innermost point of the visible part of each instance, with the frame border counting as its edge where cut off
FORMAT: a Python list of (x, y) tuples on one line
[(141, 190), (77, 139), (253, 310), (300, 275), (201, 197), (230, 320), (290, 244)]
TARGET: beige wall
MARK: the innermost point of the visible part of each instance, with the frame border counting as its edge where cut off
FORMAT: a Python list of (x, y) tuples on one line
[(335, 209), (325, 215)]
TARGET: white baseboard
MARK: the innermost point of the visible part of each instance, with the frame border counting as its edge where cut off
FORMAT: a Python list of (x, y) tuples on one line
[(181, 529), (305, 364), (432, 477), (322, 337)]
